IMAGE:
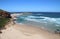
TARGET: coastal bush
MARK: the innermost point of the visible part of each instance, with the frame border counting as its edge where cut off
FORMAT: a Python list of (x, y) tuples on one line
[(3, 21), (4, 18)]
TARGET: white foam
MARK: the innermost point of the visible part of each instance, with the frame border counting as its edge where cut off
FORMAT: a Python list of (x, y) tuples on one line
[(45, 20), (32, 17), (57, 25)]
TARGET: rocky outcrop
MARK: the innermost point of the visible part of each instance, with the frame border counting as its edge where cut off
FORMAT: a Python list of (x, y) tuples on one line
[(5, 14)]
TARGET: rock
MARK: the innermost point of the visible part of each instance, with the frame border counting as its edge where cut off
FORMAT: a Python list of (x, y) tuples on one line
[(5, 14)]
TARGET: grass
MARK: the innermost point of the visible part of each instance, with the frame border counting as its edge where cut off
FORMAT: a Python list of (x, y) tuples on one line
[(3, 22)]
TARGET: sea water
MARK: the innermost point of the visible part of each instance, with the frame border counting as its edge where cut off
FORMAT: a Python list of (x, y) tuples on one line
[(45, 20)]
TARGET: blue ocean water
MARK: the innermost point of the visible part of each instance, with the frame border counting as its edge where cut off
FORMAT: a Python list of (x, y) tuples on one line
[(46, 20)]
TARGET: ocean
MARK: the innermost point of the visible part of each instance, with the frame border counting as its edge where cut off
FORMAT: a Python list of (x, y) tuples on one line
[(46, 20)]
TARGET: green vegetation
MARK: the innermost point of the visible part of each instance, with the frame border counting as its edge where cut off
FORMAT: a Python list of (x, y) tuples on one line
[(3, 22), (4, 18)]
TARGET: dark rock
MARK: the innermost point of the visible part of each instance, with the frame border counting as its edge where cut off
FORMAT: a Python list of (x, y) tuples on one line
[(5, 14)]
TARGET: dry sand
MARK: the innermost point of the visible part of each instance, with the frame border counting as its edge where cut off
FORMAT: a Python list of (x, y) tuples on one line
[(26, 32)]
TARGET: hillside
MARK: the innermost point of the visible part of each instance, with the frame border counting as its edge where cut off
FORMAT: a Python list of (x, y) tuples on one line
[(4, 18)]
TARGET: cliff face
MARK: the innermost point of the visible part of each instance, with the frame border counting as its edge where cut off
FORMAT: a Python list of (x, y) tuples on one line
[(5, 14)]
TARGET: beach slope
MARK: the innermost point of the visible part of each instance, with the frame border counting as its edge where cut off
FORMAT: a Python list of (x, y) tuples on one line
[(26, 32)]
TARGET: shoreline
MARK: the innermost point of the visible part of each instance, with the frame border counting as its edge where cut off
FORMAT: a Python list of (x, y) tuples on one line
[(22, 31), (41, 28), (34, 27)]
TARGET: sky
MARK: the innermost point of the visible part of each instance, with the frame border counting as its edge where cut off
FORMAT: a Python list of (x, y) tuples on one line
[(30, 5)]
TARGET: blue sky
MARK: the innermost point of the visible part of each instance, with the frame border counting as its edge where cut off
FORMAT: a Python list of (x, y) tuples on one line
[(30, 5)]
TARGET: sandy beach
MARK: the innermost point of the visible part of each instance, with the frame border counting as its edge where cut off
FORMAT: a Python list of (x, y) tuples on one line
[(22, 31)]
